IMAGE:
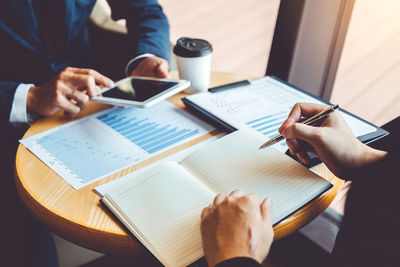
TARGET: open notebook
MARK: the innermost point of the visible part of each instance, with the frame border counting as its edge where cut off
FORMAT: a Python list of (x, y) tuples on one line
[(162, 206)]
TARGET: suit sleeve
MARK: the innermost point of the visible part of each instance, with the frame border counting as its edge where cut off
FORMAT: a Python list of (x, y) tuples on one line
[(7, 92), (147, 25), (239, 262)]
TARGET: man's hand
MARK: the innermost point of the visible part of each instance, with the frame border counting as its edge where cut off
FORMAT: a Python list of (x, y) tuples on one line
[(66, 92), (236, 226), (333, 142), (155, 67)]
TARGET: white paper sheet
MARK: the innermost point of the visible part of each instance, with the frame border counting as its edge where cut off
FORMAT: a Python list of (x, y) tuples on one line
[(94, 147), (262, 107)]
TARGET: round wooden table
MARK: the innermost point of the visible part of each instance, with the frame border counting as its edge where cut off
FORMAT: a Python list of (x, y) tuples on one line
[(77, 216)]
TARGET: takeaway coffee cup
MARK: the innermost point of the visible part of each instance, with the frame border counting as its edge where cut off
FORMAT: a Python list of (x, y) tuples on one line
[(194, 62)]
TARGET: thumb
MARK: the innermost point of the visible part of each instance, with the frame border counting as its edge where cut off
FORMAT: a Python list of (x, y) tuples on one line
[(266, 210), (301, 131)]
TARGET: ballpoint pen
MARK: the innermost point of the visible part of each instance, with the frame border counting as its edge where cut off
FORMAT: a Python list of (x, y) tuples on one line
[(310, 121)]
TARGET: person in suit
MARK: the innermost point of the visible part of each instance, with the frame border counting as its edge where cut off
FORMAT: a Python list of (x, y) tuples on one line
[(370, 231), (51, 60), (46, 48)]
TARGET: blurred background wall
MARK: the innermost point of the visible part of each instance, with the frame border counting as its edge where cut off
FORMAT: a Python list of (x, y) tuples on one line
[(241, 32)]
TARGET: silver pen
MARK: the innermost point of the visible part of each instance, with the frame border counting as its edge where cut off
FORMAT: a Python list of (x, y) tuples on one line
[(310, 121)]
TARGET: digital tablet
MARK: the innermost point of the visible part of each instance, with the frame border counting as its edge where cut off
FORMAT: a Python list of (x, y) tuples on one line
[(140, 91)]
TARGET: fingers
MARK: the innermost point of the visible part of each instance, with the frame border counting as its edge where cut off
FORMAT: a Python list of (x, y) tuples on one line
[(266, 210), (85, 79), (304, 132), (300, 110), (236, 193), (204, 212), (80, 98), (84, 82), (306, 110), (63, 92), (234, 196), (98, 78), (68, 107), (311, 135), (72, 101), (253, 198), (288, 122), (218, 199), (292, 130), (162, 70), (293, 145), (152, 67), (294, 116), (303, 156)]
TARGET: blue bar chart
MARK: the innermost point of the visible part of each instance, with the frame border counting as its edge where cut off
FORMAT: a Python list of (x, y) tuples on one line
[(86, 150), (145, 133), (268, 125)]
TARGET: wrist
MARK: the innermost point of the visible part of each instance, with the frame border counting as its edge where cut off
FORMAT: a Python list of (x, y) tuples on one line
[(132, 67), (369, 155), (133, 63), (30, 100)]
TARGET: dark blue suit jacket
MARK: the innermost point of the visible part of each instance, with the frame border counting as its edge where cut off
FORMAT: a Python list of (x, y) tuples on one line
[(25, 59)]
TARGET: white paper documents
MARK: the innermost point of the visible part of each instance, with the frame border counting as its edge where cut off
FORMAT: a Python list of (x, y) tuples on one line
[(88, 149), (262, 107)]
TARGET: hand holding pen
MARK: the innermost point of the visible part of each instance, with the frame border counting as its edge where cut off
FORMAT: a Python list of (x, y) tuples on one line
[(313, 120), (332, 141)]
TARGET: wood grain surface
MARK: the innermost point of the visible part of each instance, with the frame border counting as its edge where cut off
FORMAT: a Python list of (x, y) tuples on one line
[(77, 215)]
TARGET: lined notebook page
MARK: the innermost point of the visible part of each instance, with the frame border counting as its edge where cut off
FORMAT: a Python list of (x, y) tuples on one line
[(164, 205), (235, 162)]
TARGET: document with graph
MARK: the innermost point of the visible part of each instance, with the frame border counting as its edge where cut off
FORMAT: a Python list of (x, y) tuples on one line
[(263, 106), (88, 149)]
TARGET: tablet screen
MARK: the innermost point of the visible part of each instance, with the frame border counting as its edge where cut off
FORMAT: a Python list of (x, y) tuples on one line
[(138, 90)]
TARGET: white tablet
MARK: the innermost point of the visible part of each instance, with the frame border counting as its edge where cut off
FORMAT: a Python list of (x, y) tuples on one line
[(140, 91)]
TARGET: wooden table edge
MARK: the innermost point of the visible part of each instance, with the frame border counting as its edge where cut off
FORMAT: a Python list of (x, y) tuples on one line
[(76, 233)]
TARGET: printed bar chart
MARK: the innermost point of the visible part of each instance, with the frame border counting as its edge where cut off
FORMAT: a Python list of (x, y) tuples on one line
[(268, 125), (149, 136), (94, 147)]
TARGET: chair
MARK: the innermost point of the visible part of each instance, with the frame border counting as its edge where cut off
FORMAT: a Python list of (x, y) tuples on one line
[(101, 18)]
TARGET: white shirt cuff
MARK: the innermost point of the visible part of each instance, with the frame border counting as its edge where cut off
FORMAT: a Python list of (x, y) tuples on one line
[(136, 58), (18, 114)]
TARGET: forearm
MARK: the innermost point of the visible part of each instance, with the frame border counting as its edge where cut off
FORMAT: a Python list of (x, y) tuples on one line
[(147, 25), (151, 32)]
